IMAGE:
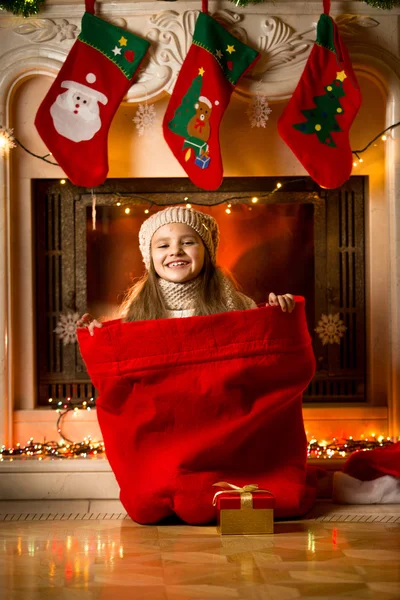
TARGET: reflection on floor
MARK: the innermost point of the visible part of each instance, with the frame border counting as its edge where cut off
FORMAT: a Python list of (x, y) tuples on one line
[(118, 559)]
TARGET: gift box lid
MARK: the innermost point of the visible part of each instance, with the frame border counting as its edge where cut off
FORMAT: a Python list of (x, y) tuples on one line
[(232, 500)]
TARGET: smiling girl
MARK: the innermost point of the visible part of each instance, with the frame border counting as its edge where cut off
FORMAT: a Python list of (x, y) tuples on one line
[(179, 248)]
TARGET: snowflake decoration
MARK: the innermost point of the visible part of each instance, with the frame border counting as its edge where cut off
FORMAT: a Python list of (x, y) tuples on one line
[(66, 327), (330, 329), (145, 118), (6, 140), (259, 111)]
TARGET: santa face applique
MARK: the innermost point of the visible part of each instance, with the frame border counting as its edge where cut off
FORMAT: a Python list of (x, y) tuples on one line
[(76, 112)]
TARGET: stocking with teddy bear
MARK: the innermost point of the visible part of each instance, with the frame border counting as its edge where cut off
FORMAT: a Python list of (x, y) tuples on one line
[(215, 62)]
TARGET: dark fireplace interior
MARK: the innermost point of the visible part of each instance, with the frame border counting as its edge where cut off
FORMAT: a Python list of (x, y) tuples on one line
[(266, 247), (298, 239)]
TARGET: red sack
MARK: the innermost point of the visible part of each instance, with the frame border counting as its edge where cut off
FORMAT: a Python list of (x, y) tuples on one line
[(372, 464), (185, 403)]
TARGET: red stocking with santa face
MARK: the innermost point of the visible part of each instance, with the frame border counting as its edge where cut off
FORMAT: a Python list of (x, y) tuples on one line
[(75, 116), (214, 64), (316, 122)]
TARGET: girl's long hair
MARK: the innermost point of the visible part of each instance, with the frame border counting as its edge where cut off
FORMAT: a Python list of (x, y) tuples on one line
[(144, 301)]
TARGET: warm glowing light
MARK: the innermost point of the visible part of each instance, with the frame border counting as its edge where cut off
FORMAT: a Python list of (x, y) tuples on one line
[(278, 185), (360, 160), (50, 399), (6, 141), (118, 203), (334, 537), (254, 200), (146, 212), (188, 206), (354, 164), (127, 211), (228, 211), (63, 181), (229, 205), (384, 138), (186, 198)]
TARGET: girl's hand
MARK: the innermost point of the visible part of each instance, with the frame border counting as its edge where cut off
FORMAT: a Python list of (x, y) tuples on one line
[(286, 302), (89, 322)]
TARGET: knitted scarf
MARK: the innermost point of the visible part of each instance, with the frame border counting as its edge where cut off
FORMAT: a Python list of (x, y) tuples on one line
[(182, 296)]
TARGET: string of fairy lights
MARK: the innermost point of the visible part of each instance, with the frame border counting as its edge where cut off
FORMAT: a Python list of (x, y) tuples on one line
[(343, 448), (88, 448), (8, 141), (64, 448)]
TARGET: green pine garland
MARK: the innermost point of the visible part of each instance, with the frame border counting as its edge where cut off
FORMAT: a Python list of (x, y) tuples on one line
[(384, 4), (245, 3), (22, 7)]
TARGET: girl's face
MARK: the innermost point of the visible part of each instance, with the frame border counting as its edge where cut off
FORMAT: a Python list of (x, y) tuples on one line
[(177, 252)]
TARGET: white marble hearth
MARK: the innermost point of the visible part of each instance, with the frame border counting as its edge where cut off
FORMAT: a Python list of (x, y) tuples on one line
[(70, 479), (82, 485)]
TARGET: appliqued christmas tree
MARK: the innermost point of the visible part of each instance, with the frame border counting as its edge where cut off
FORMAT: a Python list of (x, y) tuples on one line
[(321, 120), (316, 122), (186, 110), (215, 62)]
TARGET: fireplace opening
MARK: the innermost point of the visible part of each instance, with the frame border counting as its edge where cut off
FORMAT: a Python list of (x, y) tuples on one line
[(266, 247), (300, 239)]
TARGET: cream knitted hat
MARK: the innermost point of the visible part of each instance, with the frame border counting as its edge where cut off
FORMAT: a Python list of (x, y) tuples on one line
[(205, 225)]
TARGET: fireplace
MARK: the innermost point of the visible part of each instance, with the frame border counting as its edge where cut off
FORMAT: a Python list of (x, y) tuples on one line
[(297, 239), (31, 58)]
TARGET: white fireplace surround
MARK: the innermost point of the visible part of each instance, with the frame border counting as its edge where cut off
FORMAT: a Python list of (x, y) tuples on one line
[(284, 33)]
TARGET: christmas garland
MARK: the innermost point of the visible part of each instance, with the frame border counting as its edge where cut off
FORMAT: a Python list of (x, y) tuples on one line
[(22, 7), (383, 4)]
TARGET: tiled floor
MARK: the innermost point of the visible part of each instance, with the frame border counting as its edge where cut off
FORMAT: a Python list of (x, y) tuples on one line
[(118, 559)]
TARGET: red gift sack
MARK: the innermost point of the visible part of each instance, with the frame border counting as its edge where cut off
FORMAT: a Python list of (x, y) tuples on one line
[(185, 403), (372, 464)]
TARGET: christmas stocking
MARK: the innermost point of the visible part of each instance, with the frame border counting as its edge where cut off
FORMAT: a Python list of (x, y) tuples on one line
[(75, 116), (316, 122), (215, 62)]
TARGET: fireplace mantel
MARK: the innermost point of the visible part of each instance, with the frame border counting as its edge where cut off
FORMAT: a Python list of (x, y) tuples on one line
[(33, 50)]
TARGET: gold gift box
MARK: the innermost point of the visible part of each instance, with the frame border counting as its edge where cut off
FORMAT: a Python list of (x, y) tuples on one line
[(245, 511)]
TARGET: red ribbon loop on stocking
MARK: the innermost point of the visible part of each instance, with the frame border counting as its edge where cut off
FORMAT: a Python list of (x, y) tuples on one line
[(204, 6), (89, 6), (327, 6)]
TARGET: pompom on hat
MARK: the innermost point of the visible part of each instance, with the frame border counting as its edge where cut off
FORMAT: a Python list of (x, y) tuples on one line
[(205, 225)]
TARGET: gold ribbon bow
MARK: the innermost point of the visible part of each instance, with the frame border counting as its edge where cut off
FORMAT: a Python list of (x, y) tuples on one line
[(246, 492)]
